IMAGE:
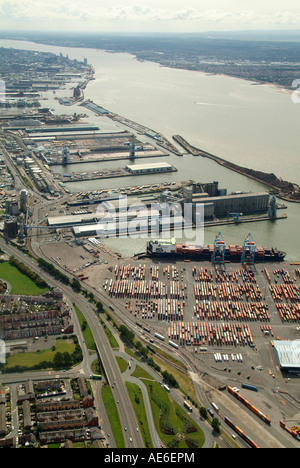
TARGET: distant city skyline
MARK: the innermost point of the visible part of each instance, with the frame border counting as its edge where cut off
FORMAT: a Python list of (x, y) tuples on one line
[(149, 15)]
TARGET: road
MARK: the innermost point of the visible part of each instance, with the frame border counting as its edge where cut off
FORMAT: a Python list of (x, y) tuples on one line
[(126, 412)]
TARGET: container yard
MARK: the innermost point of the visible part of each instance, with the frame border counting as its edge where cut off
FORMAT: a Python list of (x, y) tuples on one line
[(198, 306), (203, 333)]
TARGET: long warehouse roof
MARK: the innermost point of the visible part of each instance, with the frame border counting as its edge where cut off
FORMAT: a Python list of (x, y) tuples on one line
[(143, 167), (288, 353)]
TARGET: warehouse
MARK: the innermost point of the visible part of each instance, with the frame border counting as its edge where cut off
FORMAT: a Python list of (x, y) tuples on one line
[(288, 355), (150, 168), (72, 220), (246, 203)]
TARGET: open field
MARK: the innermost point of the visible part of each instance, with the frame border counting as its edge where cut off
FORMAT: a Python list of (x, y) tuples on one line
[(33, 359), (21, 284), (174, 427)]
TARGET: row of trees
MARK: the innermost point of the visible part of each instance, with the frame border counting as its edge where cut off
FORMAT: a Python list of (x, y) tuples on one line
[(60, 361), (29, 273), (49, 268), (58, 275), (129, 336)]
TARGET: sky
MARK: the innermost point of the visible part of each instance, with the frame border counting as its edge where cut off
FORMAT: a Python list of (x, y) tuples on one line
[(149, 15)]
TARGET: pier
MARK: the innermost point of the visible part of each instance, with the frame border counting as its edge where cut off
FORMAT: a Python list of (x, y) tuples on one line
[(112, 173), (283, 189)]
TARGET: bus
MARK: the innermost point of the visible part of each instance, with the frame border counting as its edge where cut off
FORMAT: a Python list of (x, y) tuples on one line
[(96, 377)]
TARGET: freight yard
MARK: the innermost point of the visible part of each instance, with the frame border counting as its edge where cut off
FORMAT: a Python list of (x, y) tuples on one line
[(196, 306), (224, 319)]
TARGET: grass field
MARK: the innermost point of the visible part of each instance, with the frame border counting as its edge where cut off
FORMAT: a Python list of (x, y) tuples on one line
[(174, 426), (185, 382), (137, 400), (32, 359), (87, 333), (122, 364), (21, 284), (112, 341), (113, 415)]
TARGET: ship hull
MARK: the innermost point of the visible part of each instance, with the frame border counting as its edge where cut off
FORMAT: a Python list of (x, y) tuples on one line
[(205, 254)]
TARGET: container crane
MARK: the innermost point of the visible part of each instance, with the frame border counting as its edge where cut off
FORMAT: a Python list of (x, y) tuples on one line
[(236, 216), (65, 156), (249, 249), (273, 209), (219, 250), (132, 150)]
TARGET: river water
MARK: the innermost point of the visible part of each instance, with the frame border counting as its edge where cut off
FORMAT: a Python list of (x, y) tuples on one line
[(256, 126)]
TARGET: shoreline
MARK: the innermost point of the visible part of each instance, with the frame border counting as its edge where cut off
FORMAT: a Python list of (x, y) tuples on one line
[(136, 57), (256, 175)]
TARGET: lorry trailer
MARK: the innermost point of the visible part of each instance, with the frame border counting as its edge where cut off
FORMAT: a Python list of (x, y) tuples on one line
[(251, 407), (241, 433)]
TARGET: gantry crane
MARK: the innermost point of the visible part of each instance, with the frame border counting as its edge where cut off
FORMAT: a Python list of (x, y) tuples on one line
[(219, 250), (249, 249)]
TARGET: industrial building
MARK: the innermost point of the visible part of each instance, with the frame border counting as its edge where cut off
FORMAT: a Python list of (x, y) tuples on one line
[(11, 227), (150, 168), (288, 355), (246, 203)]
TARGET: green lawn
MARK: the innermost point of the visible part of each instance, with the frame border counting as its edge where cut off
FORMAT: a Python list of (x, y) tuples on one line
[(140, 373), (21, 284), (33, 359), (113, 415), (112, 341), (122, 364), (174, 426), (137, 400), (87, 333)]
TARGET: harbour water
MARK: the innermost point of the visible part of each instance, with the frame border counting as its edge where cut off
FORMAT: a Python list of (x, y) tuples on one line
[(256, 126)]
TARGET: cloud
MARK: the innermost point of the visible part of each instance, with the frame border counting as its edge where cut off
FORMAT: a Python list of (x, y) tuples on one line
[(92, 10)]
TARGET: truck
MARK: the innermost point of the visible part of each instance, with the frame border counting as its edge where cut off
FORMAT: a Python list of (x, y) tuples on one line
[(160, 337), (188, 406), (250, 387), (167, 388), (215, 407), (174, 345)]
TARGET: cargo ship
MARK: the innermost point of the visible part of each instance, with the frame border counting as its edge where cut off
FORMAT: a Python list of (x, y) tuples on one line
[(233, 253)]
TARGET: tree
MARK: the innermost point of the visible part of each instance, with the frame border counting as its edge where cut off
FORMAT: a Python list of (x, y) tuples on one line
[(67, 358), (58, 361), (127, 334), (216, 425), (76, 286)]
